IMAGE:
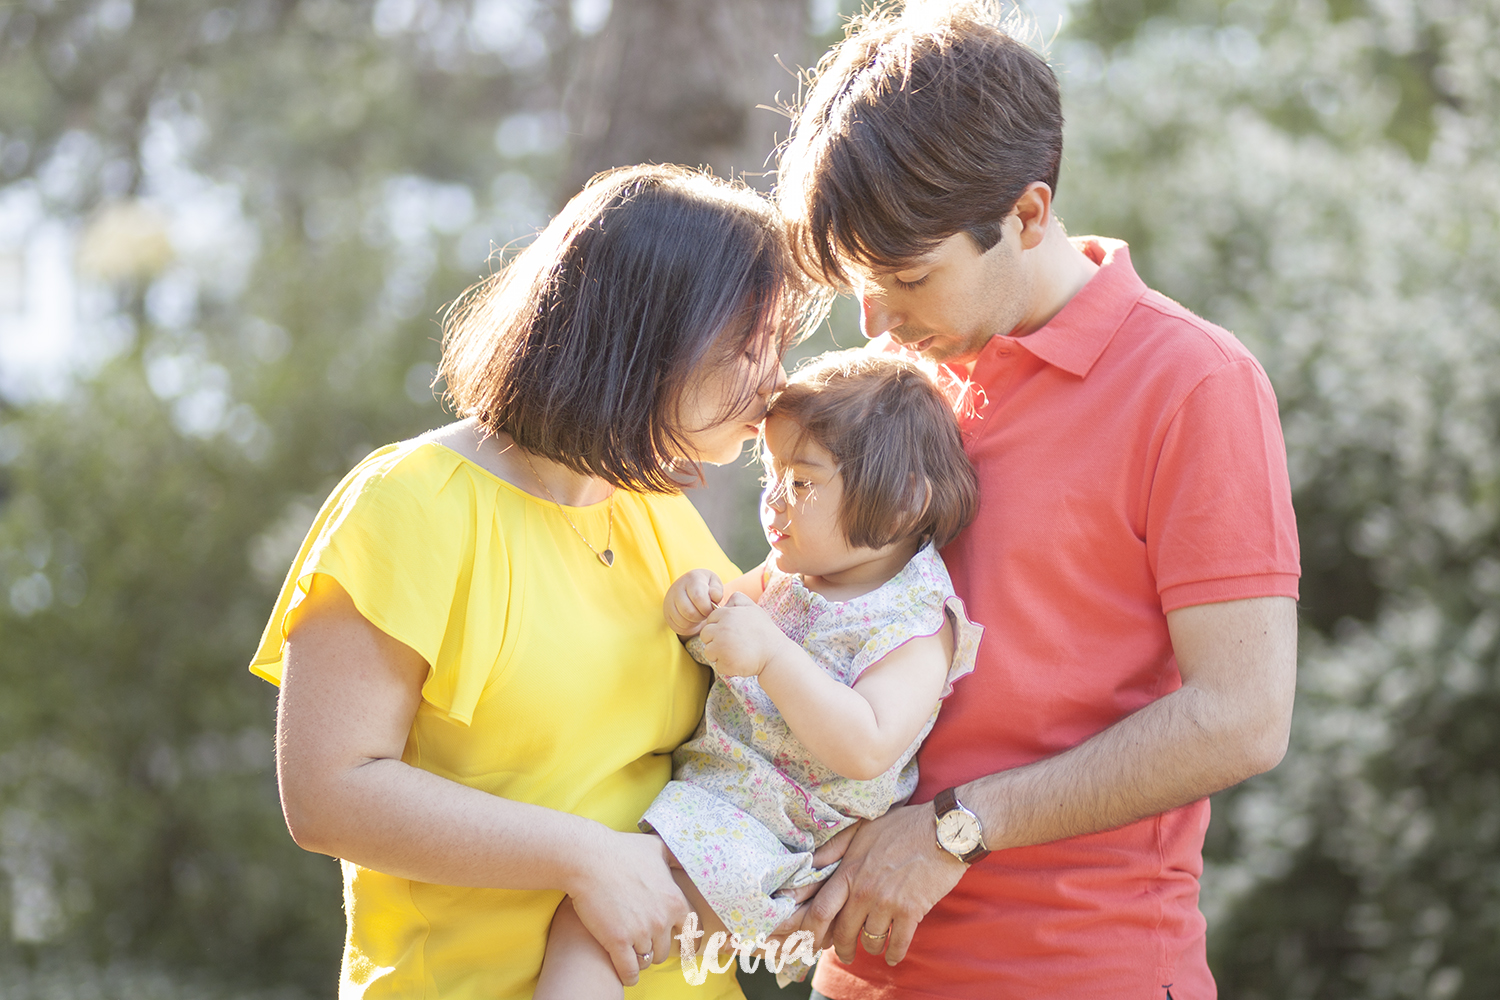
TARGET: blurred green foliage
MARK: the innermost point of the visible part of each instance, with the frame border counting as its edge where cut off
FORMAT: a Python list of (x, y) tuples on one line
[(1320, 180), (273, 199), (150, 511)]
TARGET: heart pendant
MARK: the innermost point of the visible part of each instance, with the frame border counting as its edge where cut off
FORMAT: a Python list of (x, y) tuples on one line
[(607, 557)]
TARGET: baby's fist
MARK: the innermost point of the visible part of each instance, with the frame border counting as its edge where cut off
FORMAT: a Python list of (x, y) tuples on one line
[(692, 598)]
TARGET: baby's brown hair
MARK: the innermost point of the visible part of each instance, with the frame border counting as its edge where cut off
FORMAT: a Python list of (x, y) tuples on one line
[(896, 442)]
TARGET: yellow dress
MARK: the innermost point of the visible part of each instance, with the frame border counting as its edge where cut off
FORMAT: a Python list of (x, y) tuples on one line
[(552, 680)]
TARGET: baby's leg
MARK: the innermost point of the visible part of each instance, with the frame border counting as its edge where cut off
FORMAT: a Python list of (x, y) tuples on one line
[(575, 964)]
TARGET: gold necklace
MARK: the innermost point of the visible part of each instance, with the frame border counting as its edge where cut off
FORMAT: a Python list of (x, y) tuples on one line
[(607, 557)]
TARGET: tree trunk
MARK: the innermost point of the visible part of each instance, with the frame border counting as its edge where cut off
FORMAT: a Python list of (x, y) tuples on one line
[(682, 81), (693, 82)]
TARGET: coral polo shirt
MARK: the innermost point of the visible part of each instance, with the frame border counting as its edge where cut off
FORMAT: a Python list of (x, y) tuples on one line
[(1130, 463)]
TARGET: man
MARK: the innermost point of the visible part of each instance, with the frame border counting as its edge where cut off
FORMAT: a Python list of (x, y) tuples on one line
[(1134, 561)]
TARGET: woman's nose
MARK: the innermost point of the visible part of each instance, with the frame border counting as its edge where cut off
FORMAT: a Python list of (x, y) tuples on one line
[(775, 380), (875, 318)]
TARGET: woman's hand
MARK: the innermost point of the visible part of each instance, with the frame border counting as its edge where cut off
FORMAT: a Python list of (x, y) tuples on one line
[(739, 638), (692, 598), (627, 898)]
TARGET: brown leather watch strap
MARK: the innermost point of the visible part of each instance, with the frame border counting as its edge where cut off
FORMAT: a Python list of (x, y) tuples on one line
[(945, 802)]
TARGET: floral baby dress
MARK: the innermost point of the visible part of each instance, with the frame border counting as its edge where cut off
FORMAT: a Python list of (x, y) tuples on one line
[(748, 804)]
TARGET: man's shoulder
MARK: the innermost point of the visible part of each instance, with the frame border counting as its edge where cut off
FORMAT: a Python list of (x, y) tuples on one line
[(1143, 330), (1162, 341), (1168, 325)]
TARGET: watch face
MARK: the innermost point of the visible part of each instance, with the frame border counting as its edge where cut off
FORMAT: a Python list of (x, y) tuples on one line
[(958, 832)]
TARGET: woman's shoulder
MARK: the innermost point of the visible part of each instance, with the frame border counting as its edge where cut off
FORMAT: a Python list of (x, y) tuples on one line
[(417, 466), (673, 509), (411, 484), (678, 530)]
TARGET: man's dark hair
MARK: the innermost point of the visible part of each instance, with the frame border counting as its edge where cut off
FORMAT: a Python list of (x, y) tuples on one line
[(896, 443), (917, 126), (582, 346)]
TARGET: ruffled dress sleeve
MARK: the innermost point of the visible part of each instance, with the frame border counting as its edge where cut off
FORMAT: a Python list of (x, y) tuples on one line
[(910, 605), (399, 534)]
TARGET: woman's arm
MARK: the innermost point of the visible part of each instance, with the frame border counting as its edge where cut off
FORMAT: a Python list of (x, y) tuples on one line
[(348, 697), (859, 732)]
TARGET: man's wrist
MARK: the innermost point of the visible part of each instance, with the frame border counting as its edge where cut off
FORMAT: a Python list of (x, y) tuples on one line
[(959, 830)]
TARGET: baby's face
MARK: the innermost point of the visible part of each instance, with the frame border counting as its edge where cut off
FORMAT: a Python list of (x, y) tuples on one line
[(800, 507)]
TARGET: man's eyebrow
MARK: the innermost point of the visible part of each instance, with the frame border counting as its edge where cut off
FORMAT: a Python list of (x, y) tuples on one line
[(915, 264), (886, 273)]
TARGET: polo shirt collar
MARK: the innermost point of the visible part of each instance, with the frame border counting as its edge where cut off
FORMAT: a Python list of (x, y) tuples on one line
[(1074, 338)]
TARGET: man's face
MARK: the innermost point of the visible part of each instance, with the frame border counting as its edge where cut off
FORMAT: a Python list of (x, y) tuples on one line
[(948, 303)]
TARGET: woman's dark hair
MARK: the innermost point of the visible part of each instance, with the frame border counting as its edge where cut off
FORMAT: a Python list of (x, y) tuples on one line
[(580, 347), (896, 442), (916, 126)]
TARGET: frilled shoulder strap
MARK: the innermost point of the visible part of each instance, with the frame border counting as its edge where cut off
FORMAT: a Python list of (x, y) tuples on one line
[(966, 636), (912, 604)]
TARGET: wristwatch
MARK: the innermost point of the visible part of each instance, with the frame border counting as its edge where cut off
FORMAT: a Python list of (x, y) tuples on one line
[(958, 830)]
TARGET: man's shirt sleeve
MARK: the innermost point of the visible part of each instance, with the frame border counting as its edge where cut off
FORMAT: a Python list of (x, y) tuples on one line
[(1220, 524)]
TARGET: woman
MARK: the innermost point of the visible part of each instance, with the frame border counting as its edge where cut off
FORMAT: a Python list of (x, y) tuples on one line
[(479, 694)]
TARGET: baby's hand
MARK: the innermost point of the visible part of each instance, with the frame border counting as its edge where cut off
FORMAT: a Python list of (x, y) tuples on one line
[(739, 638), (690, 599)]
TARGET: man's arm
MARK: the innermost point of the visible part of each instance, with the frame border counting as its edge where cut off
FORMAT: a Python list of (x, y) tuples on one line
[(1229, 720)]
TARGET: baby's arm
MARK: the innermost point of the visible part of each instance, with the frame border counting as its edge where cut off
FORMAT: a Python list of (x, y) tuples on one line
[(576, 966), (694, 595), (859, 732)]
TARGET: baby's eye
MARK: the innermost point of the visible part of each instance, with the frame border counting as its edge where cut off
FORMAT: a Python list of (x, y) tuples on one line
[(799, 491), (774, 488)]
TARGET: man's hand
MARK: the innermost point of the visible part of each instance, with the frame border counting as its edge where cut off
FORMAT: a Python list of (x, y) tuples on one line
[(692, 598), (802, 918), (1228, 721), (739, 638), (892, 874)]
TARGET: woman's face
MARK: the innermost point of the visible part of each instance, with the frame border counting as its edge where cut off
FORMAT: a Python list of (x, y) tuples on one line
[(714, 428)]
